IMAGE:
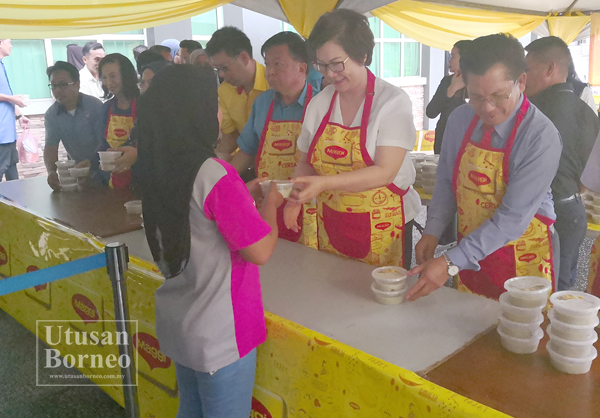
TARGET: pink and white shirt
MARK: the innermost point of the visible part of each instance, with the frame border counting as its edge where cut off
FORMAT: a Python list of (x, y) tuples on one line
[(211, 314)]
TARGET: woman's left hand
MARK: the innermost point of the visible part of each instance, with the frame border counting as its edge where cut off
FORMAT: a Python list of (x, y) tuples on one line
[(309, 187), (125, 161)]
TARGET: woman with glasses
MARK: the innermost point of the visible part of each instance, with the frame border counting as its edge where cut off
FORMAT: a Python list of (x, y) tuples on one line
[(355, 141), (119, 80)]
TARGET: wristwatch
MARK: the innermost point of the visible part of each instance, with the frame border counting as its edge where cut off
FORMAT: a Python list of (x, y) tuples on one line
[(17, 117), (452, 269)]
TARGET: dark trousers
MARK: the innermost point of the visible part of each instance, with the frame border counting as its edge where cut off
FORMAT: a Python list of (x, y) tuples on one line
[(571, 225), (9, 157)]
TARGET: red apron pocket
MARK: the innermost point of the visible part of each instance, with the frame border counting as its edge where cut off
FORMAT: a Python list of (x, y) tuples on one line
[(285, 233), (349, 233), (496, 268)]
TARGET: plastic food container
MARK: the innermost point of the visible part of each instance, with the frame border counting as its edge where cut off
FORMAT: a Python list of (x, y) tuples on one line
[(284, 187), (521, 345), (134, 207), (107, 166), (575, 308), (65, 164), (571, 365), (109, 156), (528, 291), (67, 181), (517, 313), (596, 218), (568, 348), (265, 186), (389, 274), (596, 208), (387, 297), (596, 198), (520, 329), (69, 187), (429, 167), (569, 331), (79, 171), (429, 189)]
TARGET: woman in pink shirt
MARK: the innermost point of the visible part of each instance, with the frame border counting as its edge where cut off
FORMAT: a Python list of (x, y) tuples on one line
[(207, 238)]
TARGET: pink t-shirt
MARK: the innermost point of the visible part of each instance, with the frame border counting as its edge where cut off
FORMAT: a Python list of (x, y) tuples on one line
[(212, 314)]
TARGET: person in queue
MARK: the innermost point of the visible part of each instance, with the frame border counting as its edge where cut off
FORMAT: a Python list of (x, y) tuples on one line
[(199, 57), (207, 238), (90, 82), (75, 119), (230, 52), (590, 180), (173, 45), (163, 51), (147, 57), (138, 50), (548, 62), (120, 80), (355, 141), (499, 156), (268, 141), (186, 47), (450, 94)]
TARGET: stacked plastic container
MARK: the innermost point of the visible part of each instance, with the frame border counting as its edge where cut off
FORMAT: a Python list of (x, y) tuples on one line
[(572, 333), (592, 206), (426, 168), (67, 182), (389, 286), (522, 306)]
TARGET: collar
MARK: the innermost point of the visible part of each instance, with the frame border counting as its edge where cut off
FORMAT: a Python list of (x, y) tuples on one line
[(505, 128), (301, 99), (62, 109), (548, 93), (260, 81)]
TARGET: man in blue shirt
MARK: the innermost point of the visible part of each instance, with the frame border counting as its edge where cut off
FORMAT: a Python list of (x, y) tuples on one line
[(499, 156), (9, 111), (269, 137)]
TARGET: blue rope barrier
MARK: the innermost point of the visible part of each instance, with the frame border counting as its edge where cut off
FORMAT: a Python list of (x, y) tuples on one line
[(51, 274)]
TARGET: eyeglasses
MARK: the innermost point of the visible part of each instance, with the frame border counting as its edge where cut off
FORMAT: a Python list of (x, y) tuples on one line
[(60, 85), (224, 68), (336, 67), (495, 99)]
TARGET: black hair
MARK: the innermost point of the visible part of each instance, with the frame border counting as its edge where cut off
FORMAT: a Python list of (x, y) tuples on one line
[(129, 77), (146, 58), (551, 48), (190, 45), (462, 46), (156, 66), (91, 46), (486, 51), (295, 43), (348, 29), (230, 40), (138, 50), (63, 66), (159, 48)]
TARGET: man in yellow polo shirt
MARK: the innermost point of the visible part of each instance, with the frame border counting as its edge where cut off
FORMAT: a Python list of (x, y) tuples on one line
[(231, 54)]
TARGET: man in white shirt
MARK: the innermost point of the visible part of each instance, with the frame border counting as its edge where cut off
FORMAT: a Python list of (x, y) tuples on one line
[(90, 83)]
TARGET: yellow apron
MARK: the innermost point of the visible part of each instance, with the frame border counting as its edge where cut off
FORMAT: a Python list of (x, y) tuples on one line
[(276, 158), (593, 286), (479, 181), (367, 226), (117, 131)]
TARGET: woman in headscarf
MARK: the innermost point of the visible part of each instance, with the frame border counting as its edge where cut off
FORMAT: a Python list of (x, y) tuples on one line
[(173, 45), (206, 236)]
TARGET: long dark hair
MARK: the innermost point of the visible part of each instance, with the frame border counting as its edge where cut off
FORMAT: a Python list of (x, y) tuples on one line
[(178, 126), (129, 77)]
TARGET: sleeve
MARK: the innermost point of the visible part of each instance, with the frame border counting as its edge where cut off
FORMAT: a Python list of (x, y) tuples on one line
[(249, 138), (396, 127), (52, 130), (591, 174), (528, 186), (439, 100), (227, 124), (101, 127), (230, 205), (588, 97)]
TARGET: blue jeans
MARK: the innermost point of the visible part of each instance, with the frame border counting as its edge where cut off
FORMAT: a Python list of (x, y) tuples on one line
[(227, 393), (571, 225), (9, 157)]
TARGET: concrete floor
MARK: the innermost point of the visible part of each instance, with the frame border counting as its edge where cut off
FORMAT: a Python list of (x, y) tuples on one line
[(20, 398)]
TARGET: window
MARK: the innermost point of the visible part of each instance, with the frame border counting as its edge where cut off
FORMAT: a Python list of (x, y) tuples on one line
[(204, 25), (394, 55), (26, 68), (286, 27)]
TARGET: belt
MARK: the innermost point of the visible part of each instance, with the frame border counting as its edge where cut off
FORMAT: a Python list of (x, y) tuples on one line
[(568, 199)]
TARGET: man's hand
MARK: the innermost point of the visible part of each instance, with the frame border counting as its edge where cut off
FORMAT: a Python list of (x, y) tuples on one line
[(434, 273), (425, 248), (53, 181), (18, 100), (24, 122), (125, 161)]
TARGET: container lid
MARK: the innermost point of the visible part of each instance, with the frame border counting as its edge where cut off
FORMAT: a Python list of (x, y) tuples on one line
[(575, 303), (527, 286), (387, 293), (564, 359), (536, 336), (560, 324), (592, 338), (525, 325), (389, 274), (507, 306), (133, 203)]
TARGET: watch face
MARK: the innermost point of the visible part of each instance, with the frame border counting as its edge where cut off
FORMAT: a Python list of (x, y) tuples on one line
[(453, 270)]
